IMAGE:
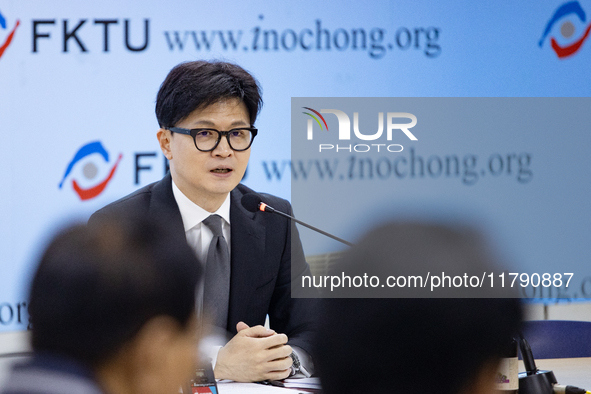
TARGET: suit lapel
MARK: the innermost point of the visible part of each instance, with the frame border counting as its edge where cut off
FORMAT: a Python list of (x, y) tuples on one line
[(164, 207), (247, 250)]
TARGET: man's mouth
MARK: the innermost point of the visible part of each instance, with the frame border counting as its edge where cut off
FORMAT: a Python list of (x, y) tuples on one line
[(221, 170)]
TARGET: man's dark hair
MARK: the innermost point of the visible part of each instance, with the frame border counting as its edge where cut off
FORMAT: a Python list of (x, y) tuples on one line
[(411, 344), (198, 84), (96, 286)]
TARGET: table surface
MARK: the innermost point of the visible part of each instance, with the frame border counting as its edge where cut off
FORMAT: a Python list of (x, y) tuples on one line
[(568, 371)]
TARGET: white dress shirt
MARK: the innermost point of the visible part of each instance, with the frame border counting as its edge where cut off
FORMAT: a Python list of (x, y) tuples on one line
[(198, 235)]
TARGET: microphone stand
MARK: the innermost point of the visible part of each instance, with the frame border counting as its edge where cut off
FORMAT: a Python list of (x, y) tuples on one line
[(265, 208)]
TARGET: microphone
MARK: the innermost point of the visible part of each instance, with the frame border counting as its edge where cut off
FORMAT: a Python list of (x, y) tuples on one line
[(253, 202), (528, 357), (534, 381)]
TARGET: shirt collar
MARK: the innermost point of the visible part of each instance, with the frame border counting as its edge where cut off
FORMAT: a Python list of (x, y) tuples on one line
[(192, 214)]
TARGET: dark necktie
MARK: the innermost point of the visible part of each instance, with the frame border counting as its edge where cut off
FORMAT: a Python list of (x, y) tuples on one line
[(216, 293)]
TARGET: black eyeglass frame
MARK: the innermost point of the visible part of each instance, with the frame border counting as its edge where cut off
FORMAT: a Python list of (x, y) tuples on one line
[(193, 133)]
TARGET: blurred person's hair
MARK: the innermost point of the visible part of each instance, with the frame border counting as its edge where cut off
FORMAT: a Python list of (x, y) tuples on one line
[(198, 84), (96, 286), (412, 344)]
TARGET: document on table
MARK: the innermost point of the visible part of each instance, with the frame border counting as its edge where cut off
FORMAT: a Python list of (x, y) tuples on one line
[(302, 383), (230, 387)]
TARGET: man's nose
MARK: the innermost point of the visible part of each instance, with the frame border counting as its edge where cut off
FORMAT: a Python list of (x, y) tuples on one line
[(223, 149)]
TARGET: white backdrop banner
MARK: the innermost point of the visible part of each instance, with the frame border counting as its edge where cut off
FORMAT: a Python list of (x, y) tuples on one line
[(78, 81)]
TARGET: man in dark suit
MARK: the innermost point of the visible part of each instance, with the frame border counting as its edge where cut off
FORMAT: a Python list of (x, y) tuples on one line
[(206, 112)]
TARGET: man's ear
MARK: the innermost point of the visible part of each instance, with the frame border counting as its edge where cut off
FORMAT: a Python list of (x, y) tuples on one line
[(150, 352), (164, 139), (140, 366), (154, 336), (483, 382)]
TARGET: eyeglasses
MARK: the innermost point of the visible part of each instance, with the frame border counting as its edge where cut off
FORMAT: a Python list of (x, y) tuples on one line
[(207, 140)]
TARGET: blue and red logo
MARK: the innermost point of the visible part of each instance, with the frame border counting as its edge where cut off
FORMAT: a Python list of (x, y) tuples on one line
[(571, 18), (90, 170), (10, 36)]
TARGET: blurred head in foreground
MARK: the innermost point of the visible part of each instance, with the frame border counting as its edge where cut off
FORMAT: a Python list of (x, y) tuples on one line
[(406, 345), (118, 298)]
